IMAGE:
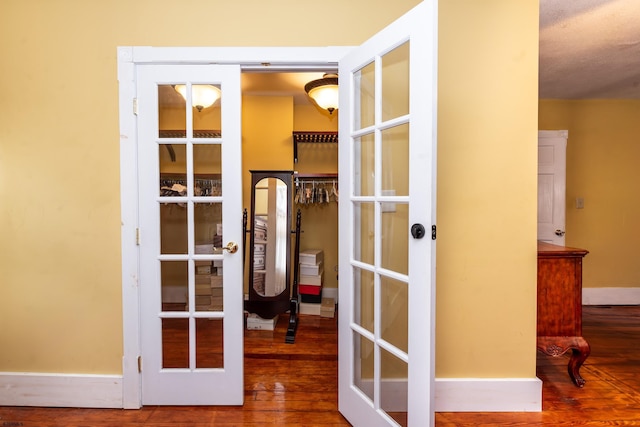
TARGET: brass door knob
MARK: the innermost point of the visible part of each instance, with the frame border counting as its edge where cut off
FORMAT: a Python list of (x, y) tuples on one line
[(232, 247)]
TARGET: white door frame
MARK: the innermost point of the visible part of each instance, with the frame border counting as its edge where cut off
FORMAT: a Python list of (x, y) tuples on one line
[(250, 58)]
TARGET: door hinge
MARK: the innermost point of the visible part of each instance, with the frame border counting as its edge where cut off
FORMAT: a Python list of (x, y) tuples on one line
[(433, 232), (138, 236), (135, 106), (139, 364)]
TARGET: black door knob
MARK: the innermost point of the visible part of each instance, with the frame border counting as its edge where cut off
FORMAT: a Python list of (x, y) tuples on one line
[(418, 231)]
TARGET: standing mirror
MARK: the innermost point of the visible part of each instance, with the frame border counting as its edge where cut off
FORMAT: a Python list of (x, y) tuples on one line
[(270, 245)]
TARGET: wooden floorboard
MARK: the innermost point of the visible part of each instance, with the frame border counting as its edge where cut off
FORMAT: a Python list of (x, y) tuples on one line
[(296, 385)]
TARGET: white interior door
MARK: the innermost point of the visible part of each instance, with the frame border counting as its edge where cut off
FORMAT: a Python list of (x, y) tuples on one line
[(190, 205), (387, 181), (552, 169)]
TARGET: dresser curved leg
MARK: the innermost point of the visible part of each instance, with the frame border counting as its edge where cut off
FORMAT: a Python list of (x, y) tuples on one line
[(580, 352), (557, 346)]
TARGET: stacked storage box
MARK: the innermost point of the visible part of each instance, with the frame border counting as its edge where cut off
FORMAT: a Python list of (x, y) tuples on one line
[(311, 279), (208, 277), (203, 285), (259, 254), (208, 280)]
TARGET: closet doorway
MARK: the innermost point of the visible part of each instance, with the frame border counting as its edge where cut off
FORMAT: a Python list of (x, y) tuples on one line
[(369, 80)]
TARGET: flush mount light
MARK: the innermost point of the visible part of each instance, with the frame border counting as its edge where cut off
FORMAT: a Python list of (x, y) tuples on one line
[(202, 96), (324, 92)]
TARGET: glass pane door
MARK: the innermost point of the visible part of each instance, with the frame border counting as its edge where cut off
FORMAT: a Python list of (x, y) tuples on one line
[(190, 234), (386, 161)]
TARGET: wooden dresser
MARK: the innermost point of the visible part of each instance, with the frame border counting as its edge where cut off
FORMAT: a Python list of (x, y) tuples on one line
[(560, 305)]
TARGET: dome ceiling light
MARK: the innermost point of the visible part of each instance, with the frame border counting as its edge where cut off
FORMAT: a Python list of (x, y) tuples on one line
[(202, 96), (324, 91)]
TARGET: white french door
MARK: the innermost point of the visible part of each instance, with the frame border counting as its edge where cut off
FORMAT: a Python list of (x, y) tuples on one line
[(387, 181), (190, 234)]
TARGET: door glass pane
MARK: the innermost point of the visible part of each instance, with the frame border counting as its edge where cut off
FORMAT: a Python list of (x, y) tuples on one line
[(363, 287), (174, 280), (209, 350), (363, 360), (395, 82), (175, 343), (394, 312), (364, 96), (364, 170), (394, 387), (363, 229), (172, 113), (207, 228), (395, 161), (173, 170), (207, 169), (173, 228), (208, 286), (206, 110), (394, 243)]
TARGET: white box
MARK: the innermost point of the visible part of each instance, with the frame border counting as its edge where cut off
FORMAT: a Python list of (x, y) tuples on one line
[(311, 270), (311, 256), (255, 322), (311, 280), (219, 229)]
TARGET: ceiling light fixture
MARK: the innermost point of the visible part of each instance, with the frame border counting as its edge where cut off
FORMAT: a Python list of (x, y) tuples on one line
[(202, 96), (324, 91)]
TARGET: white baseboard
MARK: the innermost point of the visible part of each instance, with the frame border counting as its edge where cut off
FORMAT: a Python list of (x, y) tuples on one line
[(330, 293), (610, 296), (105, 391), (488, 395), (60, 390)]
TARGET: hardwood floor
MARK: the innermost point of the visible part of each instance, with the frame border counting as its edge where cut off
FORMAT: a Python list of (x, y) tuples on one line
[(296, 385)]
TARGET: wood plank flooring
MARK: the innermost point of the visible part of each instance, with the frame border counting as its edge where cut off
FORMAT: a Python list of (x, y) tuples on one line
[(296, 385)]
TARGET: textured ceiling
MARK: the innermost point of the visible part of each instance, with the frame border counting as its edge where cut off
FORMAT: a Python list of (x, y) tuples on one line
[(589, 49)]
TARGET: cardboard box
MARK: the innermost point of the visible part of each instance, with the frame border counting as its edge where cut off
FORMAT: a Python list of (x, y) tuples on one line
[(255, 322), (311, 256), (215, 281), (204, 248), (311, 270), (203, 289), (203, 279), (203, 269), (327, 307), (309, 308)]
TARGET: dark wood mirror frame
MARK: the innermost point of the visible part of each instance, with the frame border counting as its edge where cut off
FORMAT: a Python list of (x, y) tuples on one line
[(269, 306)]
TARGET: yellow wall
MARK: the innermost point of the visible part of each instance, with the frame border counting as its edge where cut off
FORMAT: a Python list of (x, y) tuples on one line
[(602, 168), (60, 293), (487, 168)]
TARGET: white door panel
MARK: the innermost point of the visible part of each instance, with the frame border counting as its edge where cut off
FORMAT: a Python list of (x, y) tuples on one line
[(387, 180), (552, 147), (190, 205)]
